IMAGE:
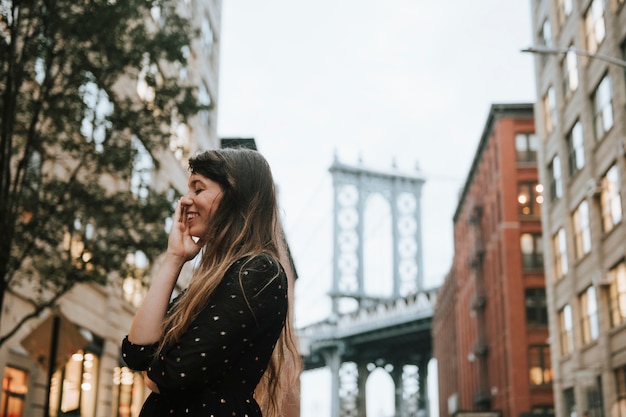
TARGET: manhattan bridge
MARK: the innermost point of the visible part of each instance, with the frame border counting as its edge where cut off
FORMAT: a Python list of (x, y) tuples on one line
[(367, 331)]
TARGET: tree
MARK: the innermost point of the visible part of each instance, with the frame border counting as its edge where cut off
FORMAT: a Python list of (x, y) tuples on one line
[(71, 126)]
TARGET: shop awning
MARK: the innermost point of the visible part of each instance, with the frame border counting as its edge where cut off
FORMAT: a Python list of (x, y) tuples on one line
[(39, 342)]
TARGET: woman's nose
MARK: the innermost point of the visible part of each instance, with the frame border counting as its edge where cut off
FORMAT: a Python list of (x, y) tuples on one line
[(186, 200)]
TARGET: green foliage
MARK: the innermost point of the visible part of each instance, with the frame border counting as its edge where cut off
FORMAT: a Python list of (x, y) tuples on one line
[(68, 111)]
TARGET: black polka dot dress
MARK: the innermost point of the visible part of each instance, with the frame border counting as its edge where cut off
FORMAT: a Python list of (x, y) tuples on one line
[(213, 369)]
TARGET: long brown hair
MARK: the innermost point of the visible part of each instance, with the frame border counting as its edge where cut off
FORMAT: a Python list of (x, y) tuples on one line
[(246, 223)]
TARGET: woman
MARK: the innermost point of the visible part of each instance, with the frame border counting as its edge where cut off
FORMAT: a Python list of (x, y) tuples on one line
[(205, 353)]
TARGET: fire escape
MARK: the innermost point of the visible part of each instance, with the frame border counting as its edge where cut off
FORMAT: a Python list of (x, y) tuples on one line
[(480, 351)]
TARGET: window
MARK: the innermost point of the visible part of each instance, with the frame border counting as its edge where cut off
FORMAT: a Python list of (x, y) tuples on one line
[(143, 164), (556, 184), (620, 388), (545, 36), (536, 306), (539, 365), (14, 390), (570, 72), (617, 294), (594, 25), (582, 233), (602, 99), (589, 313), (532, 251), (136, 283), (610, 200), (530, 197), (73, 387), (567, 330), (569, 402), (526, 147), (128, 392), (576, 148), (559, 247), (546, 33), (549, 110), (97, 109), (595, 405), (564, 10)]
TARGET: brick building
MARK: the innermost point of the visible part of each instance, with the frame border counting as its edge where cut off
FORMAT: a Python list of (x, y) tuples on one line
[(490, 330)]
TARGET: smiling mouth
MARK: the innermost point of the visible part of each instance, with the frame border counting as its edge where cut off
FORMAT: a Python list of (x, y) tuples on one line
[(191, 216)]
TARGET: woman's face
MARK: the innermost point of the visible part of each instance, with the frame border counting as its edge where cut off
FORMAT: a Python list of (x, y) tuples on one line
[(200, 203)]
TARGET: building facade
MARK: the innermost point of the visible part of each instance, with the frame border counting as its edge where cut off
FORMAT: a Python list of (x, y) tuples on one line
[(86, 330), (490, 330), (581, 123)]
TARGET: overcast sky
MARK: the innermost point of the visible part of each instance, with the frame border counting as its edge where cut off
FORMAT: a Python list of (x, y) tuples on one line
[(385, 80)]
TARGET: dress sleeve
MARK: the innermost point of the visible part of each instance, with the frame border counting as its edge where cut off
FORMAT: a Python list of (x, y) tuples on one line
[(138, 357), (251, 298)]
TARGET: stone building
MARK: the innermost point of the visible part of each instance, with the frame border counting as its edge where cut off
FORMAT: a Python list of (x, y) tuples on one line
[(581, 123), (87, 328)]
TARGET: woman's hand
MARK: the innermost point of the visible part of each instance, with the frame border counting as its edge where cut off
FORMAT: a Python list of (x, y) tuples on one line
[(180, 243)]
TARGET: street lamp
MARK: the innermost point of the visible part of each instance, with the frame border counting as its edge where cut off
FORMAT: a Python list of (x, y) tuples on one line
[(544, 50)]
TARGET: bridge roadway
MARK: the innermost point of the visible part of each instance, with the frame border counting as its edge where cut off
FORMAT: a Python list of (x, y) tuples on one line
[(393, 332)]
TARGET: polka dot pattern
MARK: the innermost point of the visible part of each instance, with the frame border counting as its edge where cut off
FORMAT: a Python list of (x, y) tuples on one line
[(215, 366)]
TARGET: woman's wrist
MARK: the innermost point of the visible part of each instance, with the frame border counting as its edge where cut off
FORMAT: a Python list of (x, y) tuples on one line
[(174, 259)]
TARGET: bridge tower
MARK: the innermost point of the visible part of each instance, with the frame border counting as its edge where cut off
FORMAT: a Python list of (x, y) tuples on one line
[(366, 330), (353, 186)]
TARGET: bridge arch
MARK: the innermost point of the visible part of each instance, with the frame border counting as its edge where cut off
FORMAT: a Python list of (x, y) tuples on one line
[(374, 328)]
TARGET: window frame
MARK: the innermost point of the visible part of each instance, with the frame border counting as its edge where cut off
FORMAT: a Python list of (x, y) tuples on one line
[(566, 332), (532, 261), (590, 327), (575, 140), (611, 199), (559, 247), (603, 115), (14, 397), (536, 305), (569, 68), (564, 10), (617, 293), (582, 229), (556, 178), (534, 194), (595, 26), (528, 152), (539, 357), (549, 110), (620, 388)]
